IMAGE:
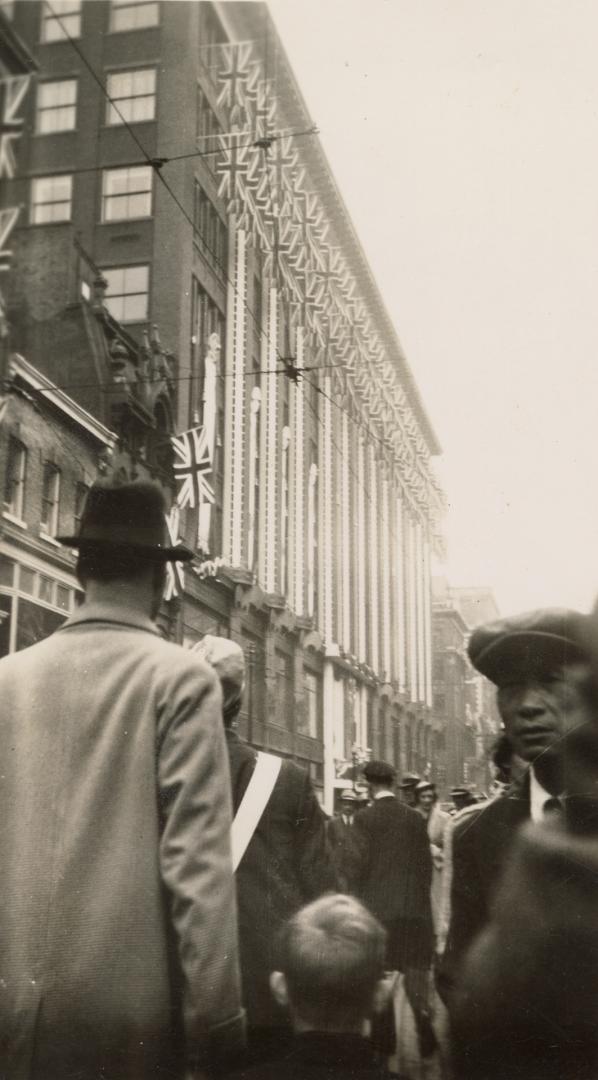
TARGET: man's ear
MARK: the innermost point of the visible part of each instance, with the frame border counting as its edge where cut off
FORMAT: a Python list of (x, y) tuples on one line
[(278, 986)]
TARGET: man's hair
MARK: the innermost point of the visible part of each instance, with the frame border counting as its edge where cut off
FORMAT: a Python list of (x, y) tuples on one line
[(116, 563), (332, 955)]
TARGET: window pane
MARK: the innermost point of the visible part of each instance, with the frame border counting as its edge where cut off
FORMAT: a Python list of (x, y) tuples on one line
[(127, 293), (34, 623), (7, 568), (133, 94), (51, 199), (135, 308), (62, 19), (5, 615), (26, 580), (46, 589), (133, 14), (63, 597)]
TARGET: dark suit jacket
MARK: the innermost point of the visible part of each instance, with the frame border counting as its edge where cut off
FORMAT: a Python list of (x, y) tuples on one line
[(286, 864), (392, 875), (316, 1055), (342, 841), (482, 842)]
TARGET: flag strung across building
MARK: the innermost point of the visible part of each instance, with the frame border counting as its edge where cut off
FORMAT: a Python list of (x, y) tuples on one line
[(192, 465)]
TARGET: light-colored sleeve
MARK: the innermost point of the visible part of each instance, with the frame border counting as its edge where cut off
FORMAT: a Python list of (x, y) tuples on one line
[(445, 892), (195, 861)]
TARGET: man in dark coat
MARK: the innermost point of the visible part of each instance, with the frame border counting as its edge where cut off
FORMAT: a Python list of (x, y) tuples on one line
[(539, 662), (118, 946), (286, 863), (525, 1003), (341, 836), (392, 876)]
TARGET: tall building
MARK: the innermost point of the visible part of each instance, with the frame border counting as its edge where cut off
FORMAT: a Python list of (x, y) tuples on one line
[(466, 720), (169, 142)]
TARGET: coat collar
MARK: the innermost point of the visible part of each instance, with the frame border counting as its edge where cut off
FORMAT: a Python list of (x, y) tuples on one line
[(121, 614)]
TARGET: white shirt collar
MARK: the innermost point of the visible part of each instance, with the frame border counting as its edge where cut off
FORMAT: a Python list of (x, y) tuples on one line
[(384, 795), (538, 796)]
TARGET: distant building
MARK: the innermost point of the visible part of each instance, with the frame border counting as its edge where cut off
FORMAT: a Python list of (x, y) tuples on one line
[(466, 719), (173, 147)]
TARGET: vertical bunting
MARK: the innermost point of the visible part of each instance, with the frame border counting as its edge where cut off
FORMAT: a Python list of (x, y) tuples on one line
[(421, 634), (401, 606), (298, 526), (428, 619), (269, 548), (374, 599), (385, 548), (361, 612), (411, 609), (252, 474), (234, 430), (345, 640), (326, 507)]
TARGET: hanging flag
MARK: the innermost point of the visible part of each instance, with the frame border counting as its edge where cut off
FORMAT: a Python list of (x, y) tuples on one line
[(175, 572), (192, 465), (12, 91)]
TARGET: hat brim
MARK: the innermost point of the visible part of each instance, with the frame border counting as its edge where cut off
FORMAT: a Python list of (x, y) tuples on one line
[(526, 652), (180, 553)]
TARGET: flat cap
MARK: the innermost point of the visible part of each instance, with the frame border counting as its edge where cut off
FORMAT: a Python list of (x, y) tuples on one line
[(410, 779), (537, 641), (380, 772), (456, 791)]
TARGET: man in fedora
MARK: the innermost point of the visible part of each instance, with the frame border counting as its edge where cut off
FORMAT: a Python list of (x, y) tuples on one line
[(540, 665), (407, 788), (341, 833), (118, 941)]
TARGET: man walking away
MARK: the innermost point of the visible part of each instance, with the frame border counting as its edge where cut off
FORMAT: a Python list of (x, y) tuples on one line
[(341, 836), (118, 948), (286, 861)]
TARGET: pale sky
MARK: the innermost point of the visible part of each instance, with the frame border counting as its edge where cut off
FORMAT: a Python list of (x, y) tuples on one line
[(463, 135)]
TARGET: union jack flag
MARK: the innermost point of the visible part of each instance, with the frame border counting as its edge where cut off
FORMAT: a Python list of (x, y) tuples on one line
[(193, 463), (175, 573), (12, 91)]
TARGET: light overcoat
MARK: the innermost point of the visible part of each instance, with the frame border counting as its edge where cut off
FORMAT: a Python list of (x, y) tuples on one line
[(117, 909)]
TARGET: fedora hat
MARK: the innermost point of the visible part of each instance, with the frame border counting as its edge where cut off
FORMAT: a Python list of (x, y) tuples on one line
[(130, 517)]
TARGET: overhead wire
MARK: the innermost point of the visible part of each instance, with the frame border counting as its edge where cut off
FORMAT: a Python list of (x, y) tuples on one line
[(288, 368)]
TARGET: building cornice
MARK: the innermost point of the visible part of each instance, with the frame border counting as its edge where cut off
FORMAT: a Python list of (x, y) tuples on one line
[(20, 370)]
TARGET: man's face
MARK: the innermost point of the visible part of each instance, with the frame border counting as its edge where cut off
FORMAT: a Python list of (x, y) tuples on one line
[(408, 795), (540, 708)]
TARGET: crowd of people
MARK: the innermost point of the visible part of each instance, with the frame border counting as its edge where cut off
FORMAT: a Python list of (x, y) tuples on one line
[(175, 904)]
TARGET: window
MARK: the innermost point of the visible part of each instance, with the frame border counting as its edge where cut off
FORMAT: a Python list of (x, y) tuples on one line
[(127, 193), (210, 230), (133, 94), (14, 486), (50, 499), (133, 14), (81, 490), (127, 292), (307, 724), (62, 20), (51, 199), (207, 128), (56, 106)]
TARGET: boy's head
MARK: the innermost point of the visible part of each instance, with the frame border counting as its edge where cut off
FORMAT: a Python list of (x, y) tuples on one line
[(331, 965)]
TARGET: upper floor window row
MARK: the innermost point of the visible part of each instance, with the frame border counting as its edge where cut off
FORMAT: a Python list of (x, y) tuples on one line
[(61, 20), (134, 14), (133, 96), (126, 194)]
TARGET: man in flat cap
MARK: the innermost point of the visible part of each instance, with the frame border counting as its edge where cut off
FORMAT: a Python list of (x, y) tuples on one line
[(118, 935), (539, 663), (340, 831), (286, 861), (392, 876)]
